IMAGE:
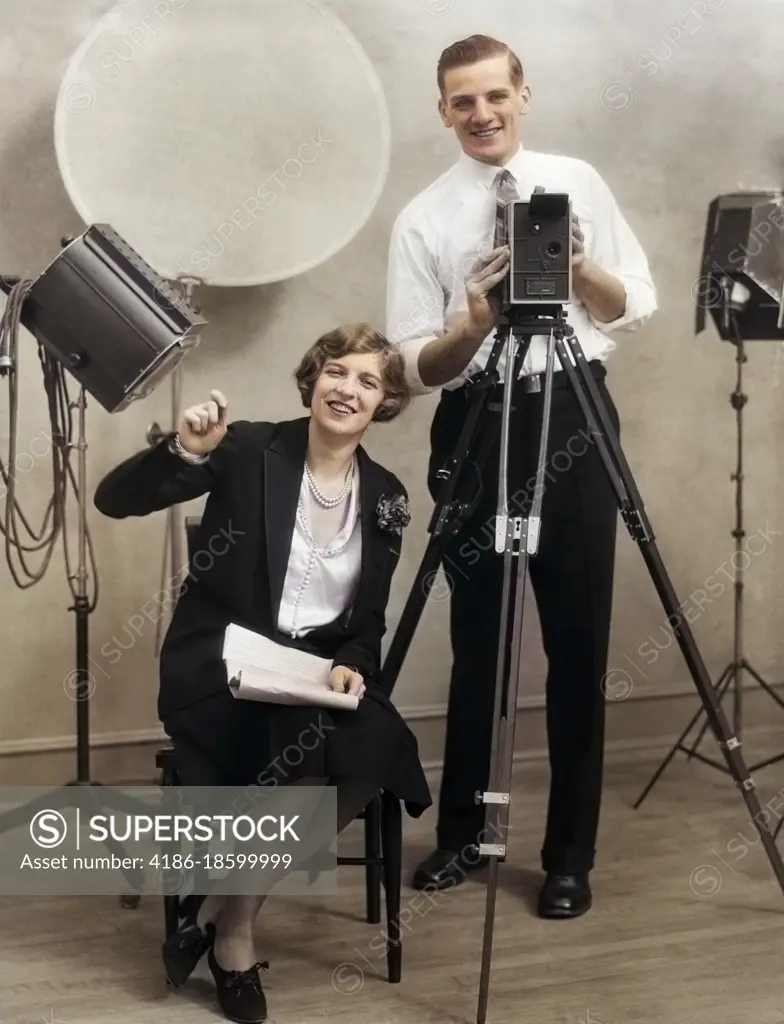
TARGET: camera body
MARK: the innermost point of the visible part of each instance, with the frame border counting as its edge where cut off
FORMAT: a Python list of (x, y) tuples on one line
[(540, 240)]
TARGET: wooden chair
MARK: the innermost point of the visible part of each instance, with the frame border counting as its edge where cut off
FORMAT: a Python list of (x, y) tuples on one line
[(383, 859)]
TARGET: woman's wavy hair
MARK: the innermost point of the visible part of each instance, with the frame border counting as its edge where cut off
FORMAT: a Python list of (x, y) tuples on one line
[(357, 339)]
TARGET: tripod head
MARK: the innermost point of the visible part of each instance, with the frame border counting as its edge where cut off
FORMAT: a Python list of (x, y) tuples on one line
[(531, 319)]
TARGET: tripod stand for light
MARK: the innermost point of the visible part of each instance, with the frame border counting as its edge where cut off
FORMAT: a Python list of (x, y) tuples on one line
[(518, 538), (731, 679), (97, 288), (82, 680)]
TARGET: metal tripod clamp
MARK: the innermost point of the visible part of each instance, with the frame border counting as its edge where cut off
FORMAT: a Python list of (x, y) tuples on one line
[(492, 849)]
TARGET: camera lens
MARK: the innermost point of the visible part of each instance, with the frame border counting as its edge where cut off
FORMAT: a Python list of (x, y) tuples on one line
[(553, 248)]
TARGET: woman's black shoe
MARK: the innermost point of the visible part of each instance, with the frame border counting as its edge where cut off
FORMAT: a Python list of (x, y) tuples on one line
[(183, 950), (240, 994)]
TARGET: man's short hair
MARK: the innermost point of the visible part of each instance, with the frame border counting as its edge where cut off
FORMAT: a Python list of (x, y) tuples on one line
[(357, 339), (473, 49)]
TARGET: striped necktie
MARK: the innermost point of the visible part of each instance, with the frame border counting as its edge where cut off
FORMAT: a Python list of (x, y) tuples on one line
[(505, 193)]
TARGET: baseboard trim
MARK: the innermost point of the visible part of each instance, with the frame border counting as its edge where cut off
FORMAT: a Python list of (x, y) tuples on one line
[(413, 713), (60, 744), (622, 749)]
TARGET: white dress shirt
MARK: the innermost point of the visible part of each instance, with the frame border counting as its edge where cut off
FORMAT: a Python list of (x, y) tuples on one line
[(321, 583), (438, 236)]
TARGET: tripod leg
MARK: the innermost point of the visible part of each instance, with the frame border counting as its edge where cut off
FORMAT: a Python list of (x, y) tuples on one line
[(771, 693), (678, 745), (722, 685), (631, 508), (765, 686), (520, 538), (19, 816), (119, 802), (448, 516), (497, 797), (412, 612), (487, 941), (62, 798)]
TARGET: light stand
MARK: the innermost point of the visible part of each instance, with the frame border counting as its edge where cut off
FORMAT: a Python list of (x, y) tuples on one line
[(81, 607), (741, 287), (732, 675), (83, 691), (98, 294)]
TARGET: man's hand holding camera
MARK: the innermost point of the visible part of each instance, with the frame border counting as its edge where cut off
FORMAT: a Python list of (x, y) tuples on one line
[(484, 304), (443, 358), (578, 244), (602, 294)]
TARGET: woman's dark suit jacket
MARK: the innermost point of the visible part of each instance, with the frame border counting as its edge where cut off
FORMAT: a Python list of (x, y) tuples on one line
[(238, 570)]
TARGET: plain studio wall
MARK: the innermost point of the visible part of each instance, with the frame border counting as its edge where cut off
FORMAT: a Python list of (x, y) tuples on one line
[(673, 104)]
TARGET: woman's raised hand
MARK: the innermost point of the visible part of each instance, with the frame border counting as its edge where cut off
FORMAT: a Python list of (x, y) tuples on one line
[(203, 427)]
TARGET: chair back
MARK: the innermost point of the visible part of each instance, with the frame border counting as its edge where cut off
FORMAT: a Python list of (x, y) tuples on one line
[(192, 524)]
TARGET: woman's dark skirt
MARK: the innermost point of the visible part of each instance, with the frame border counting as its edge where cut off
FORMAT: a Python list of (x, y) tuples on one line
[(225, 741)]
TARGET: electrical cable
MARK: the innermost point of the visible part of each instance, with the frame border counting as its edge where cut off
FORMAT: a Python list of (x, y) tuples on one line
[(60, 408)]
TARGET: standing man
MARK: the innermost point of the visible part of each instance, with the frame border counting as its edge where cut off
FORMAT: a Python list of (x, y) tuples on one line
[(435, 240)]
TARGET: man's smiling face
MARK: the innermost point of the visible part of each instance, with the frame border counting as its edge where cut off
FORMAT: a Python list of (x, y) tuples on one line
[(483, 104)]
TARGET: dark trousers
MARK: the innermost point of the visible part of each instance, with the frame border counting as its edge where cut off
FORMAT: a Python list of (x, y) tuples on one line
[(572, 579)]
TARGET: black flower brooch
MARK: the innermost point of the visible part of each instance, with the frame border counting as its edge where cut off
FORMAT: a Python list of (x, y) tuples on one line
[(393, 513)]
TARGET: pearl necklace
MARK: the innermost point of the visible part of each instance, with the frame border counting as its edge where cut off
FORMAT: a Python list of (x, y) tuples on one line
[(319, 495)]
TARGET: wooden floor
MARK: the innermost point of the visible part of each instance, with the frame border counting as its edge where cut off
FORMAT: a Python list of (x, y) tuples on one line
[(685, 928)]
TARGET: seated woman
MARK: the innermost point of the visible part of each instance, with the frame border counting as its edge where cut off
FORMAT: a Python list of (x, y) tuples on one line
[(299, 540)]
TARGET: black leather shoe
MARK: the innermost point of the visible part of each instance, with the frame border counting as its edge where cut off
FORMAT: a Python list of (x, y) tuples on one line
[(565, 896), (184, 949), (240, 994), (444, 869)]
